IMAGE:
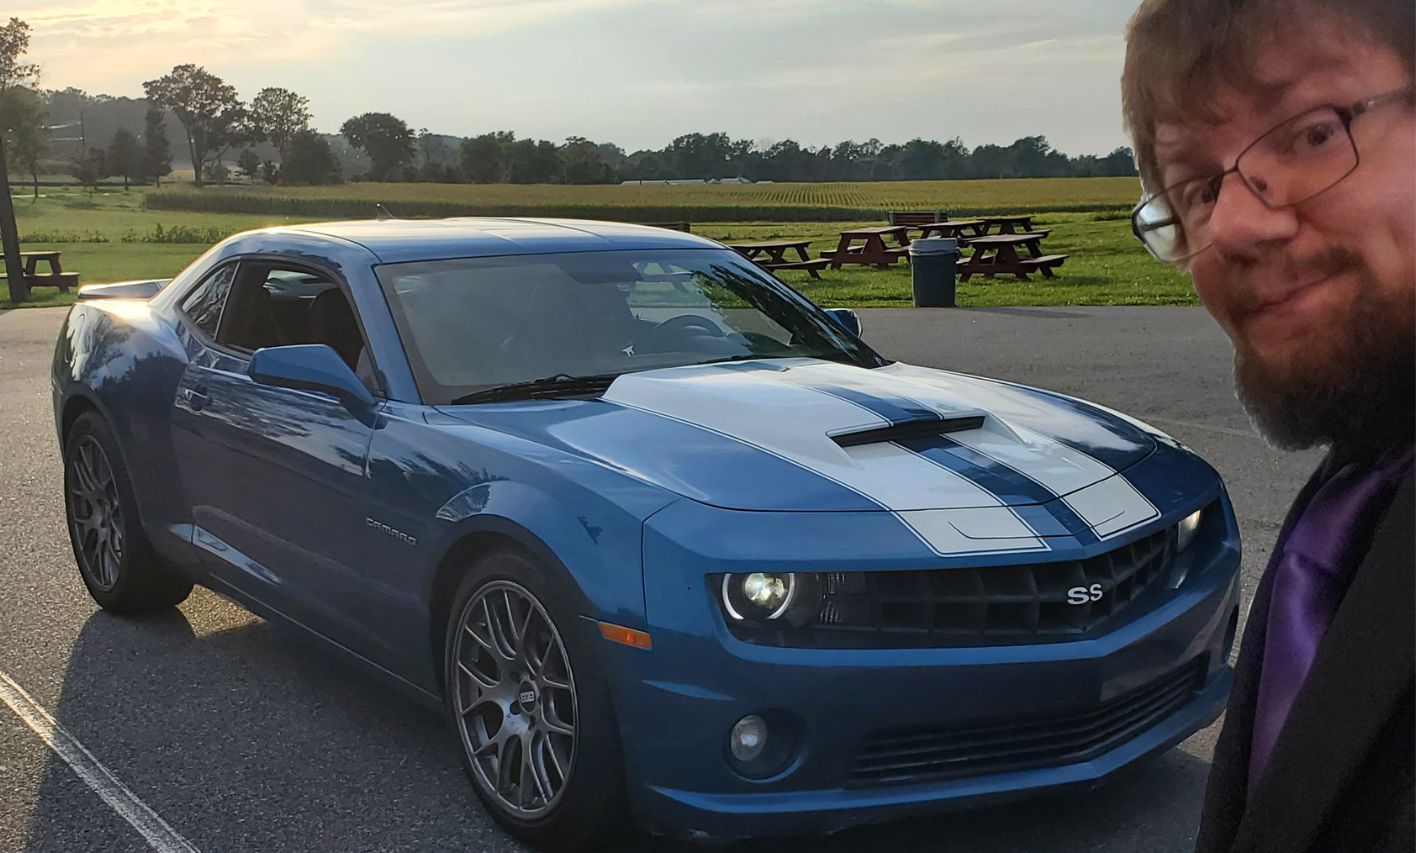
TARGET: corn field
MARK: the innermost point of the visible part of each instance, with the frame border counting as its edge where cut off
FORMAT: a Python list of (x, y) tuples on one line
[(768, 202)]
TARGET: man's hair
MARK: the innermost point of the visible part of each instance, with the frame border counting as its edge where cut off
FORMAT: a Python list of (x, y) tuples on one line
[(1181, 53)]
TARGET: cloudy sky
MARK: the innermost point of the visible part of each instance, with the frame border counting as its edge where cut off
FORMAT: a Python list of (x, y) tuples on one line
[(634, 72)]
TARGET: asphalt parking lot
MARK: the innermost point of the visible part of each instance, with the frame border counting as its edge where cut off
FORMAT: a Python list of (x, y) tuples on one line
[(244, 736)]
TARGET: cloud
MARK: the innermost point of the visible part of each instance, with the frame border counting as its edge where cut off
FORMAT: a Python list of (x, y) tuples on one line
[(103, 42)]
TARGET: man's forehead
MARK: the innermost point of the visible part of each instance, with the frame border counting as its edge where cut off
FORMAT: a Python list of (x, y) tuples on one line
[(1286, 76)]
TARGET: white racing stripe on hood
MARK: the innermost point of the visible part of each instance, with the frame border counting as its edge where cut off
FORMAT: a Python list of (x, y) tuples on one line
[(793, 422), (1094, 490)]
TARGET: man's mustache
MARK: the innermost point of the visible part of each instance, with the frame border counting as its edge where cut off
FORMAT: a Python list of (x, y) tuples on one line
[(1248, 298)]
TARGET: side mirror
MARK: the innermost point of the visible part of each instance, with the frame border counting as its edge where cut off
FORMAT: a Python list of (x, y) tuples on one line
[(310, 367), (846, 319)]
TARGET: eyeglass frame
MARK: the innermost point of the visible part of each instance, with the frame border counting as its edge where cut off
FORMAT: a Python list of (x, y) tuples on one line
[(1346, 113)]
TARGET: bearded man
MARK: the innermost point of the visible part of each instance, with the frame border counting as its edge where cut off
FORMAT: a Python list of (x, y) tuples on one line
[(1276, 141)]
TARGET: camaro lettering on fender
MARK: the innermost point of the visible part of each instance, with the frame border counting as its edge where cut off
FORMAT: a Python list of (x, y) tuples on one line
[(389, 531), (1085, 594)]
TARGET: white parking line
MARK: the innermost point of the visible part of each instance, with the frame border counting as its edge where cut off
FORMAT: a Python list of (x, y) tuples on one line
[(162, 837)]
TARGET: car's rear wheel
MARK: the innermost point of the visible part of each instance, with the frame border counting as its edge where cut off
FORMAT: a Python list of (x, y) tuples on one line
[(116, 561), (530, 707)]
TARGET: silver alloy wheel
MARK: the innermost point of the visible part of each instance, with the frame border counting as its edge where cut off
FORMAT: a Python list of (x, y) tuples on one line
[(95, 513), (515, 699)]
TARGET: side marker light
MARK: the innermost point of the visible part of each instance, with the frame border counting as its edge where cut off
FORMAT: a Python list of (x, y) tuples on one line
[(626, 636)]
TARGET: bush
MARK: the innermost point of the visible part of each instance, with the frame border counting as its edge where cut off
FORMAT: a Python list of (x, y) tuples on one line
[(177, 234), (62, 237)]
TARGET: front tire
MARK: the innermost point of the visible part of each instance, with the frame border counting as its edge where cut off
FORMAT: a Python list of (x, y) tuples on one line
[(530, 707), (116, 561)]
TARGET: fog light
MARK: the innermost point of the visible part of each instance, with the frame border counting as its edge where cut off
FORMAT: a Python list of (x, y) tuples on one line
[(749, 738)]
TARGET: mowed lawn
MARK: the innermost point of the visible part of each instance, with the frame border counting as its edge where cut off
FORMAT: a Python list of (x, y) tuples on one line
[(111, 236)]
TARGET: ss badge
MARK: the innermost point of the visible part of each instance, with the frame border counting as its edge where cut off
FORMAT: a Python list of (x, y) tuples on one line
[(1084, 594)]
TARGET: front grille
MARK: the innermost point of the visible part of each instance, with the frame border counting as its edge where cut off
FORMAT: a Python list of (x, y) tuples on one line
[(995, 605), (930, 753)]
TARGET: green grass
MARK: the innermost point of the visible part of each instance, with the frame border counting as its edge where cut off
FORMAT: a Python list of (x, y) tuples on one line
[(1105, 265)]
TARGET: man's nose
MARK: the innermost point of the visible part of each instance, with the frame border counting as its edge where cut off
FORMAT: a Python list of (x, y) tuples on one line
[(1242, 224)]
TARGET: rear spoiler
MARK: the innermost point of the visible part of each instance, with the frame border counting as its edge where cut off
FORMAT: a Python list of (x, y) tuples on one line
[(123, 289)]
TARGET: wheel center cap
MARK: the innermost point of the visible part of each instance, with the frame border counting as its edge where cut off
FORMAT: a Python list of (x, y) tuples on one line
[(527, 696)]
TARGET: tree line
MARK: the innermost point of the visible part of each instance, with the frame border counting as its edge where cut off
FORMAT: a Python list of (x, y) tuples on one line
[(269, 139)]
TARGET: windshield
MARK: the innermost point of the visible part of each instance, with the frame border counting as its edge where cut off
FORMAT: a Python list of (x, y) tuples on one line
[(476, 323)]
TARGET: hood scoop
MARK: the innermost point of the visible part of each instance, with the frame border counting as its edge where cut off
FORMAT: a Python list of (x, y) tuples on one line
[(918, 428)]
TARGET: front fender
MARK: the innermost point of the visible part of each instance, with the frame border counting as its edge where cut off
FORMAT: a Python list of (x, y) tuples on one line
[(594, 549), (441, 482)]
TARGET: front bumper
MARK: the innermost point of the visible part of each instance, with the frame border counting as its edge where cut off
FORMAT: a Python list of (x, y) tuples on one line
[(678, 703)]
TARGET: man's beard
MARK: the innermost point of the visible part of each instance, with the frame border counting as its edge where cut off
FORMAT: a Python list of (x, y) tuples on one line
[(1359, 394)]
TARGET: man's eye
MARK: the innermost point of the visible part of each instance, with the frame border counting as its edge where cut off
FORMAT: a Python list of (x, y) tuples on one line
[(1318, 135), (1310, 136), (1201, 193)]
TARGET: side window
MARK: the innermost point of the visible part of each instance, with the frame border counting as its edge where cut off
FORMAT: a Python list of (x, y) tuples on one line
[(204, 305), (270, 307), (276, 306)]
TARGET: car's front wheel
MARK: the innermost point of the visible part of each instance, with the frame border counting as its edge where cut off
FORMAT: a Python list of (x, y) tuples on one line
[(531, 708), (116, 561)]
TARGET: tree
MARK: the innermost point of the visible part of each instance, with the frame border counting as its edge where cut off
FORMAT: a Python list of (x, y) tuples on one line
[(1121, 162), (310, 161), (99, 158), (76, 101), (278, 114), (270, 173), (210, 112), (217, 172), (533, 162), (14, 75), (584, 163), (697, 155), (86, 172), (26, 139), (249, 163), (125, 157), (385, 138), (435, 160), (155, 145), (483, 158)]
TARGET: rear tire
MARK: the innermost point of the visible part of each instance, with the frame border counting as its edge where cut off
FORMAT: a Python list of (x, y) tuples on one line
[(116, 561), (528, 702)]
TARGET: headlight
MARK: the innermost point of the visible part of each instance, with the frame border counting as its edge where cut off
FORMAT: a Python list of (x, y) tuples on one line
[(769, 597), (1186, 530)]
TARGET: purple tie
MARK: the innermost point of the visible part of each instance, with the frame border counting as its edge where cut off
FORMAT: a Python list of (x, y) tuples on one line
[(1312, 568)]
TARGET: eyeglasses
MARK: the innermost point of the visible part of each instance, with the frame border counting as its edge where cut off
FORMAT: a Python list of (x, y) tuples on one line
[(1296, 160)]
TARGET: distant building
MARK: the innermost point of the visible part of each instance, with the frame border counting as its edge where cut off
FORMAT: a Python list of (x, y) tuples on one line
[(673, 182)]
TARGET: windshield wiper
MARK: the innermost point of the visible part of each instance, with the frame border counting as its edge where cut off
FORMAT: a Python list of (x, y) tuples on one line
[(751, 356), (561, 384), (843, 358)]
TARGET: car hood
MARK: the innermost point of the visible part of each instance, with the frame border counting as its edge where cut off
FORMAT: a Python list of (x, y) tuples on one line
[(812, 435)]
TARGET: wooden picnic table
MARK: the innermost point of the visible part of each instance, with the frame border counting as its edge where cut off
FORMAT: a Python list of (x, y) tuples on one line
[(1007, 224), (962, 230), (868, 246), (56, 277), (997, 254), (772, 255)]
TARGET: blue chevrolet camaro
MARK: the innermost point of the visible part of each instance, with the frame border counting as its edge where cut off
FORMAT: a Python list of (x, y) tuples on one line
[(664, 538)]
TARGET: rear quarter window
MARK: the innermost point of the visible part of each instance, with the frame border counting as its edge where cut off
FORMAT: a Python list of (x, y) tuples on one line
[(203, 305)]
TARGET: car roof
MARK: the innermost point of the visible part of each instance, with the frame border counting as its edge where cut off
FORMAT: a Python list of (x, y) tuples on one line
[(402, 240)]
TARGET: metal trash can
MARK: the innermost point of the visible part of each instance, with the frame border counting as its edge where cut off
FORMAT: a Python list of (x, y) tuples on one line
[(934, 263)]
